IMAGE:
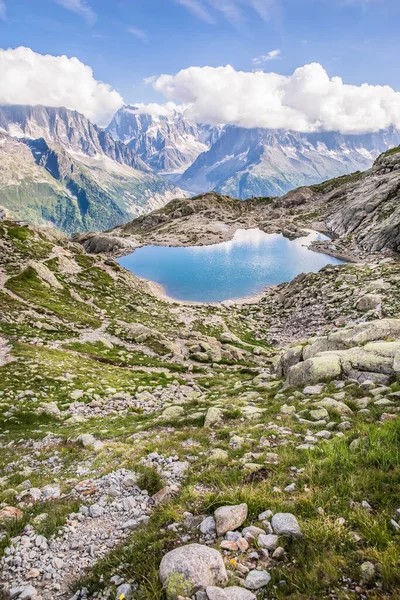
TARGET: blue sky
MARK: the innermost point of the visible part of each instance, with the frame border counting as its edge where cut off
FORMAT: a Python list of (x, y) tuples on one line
[(125, 41)]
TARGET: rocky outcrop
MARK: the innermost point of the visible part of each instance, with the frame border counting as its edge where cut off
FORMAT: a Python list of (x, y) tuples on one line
[(364, 351), (369, 208), (102, 243)]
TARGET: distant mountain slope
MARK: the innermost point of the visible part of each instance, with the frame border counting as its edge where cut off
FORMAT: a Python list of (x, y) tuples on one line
[(167, 144), (259, 162), (56, 167)]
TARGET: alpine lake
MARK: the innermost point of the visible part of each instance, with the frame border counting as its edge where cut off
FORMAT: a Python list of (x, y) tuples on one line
[(238, 268)]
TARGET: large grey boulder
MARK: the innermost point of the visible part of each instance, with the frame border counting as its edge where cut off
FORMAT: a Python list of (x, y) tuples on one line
[(229, 518), (196, 565), (314, 370)]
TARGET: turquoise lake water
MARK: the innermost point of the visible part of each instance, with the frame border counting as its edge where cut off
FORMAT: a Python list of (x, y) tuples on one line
[(241, 267)]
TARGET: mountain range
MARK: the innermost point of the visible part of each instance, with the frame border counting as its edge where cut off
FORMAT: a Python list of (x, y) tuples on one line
[(244, 162), (58, 168)]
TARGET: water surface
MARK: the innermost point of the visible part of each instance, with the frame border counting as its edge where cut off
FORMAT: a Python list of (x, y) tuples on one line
[(241, 267)]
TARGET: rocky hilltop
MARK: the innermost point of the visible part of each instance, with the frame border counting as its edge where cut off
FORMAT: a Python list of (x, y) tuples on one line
[(236, 451)]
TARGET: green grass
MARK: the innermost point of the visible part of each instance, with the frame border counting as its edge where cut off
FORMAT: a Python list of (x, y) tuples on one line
[(29, 286), (331, 184)]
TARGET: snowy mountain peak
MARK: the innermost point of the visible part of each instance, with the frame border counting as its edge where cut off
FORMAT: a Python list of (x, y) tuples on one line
[(169, 144)]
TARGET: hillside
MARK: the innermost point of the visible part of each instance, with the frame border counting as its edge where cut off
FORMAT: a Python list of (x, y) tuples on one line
[(129, 423)]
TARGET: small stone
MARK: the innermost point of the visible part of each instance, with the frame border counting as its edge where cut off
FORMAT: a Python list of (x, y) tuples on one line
[(368, 571), (23, 592), (124, 591), (255, 580), (313, 390), (290, 488), (265, 516), (252, 532), (229, 545), (229, 518), (319, 414), (214, 417), (10, 512), (207, 526), (242, 544), (215, 593), (270, 542), (96, 511), (32, 574), (286, 524), (279, 553)]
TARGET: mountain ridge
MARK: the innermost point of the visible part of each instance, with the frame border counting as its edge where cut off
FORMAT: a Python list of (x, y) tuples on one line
[(243, 162)]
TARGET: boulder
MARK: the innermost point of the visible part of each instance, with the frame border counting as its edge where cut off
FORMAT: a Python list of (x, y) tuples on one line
[(173, 412), (229, 518), (314, 370), (190, 568), (286, 524), (368, 302), (45, 274), (214, 417), (335, 407), (10, 512), (256, 580)]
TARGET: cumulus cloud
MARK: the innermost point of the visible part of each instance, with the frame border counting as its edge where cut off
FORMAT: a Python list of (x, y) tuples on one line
[(80, 7), (3, 11), (266, 57), (308, 100), (30, 78)]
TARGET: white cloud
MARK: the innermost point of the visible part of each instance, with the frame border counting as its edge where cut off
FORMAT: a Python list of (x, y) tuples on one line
[(266, 57), (308, 100), (80, 7), (232, 10), (3, 11), (158, 110), (30, 78), (141, 35), (149, 80)]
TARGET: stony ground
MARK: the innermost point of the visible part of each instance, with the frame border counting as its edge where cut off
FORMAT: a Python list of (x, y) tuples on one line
[(129, 423)]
